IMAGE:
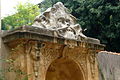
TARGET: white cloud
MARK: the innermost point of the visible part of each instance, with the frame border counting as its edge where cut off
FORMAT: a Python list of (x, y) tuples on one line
[(7, 6)]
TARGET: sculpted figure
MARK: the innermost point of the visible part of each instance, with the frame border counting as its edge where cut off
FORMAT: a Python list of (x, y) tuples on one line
[(58, 18)]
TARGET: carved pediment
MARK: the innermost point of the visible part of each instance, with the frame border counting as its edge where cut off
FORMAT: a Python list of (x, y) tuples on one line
[(59, 19)]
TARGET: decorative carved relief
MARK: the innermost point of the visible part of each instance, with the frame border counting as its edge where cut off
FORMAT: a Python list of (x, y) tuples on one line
[(49, 55), (42, 56), (79, 55), (92, 59), (33, 49), (58, 18)]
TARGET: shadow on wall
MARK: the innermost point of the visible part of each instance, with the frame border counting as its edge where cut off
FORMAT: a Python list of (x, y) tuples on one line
[(109, 65)]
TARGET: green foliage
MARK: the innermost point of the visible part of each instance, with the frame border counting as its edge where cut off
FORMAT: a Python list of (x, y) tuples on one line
[(101, 18), (24, 16)]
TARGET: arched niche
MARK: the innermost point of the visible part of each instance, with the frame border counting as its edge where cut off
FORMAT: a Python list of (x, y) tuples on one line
[(64, 69)]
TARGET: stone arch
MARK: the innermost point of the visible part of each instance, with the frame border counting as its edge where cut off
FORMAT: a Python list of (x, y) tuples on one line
[(64, 69)]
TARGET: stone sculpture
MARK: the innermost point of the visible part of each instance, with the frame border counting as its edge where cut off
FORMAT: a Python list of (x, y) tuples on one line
[(54, 48), (58, 18)]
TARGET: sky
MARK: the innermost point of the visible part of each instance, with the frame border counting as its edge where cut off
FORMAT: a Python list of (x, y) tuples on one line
[(7, 6)]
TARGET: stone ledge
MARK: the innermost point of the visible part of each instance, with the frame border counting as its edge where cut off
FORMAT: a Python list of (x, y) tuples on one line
[(35, 33)]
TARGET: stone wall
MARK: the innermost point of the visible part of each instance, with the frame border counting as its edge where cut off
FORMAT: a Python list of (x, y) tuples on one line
[(4, 51), (109, 65)]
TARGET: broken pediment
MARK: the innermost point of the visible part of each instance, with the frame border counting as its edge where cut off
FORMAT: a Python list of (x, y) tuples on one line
[(59, 19)]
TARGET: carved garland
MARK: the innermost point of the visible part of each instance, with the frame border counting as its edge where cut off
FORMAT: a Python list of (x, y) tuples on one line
[(39, 52), (91, 58), (33, 49)]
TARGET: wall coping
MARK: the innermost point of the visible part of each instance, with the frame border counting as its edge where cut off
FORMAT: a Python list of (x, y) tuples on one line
[(40, 34)]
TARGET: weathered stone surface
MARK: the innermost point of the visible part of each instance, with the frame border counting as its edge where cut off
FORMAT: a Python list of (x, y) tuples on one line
[(109, 65), (4, 53), (57, 18), (37, 57), (55, 22), (54, 48), (29, 32)]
